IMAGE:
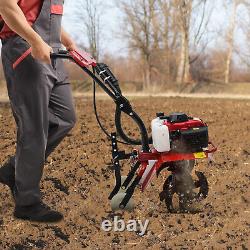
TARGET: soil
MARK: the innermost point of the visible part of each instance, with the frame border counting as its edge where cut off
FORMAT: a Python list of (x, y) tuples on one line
[(78, 179)]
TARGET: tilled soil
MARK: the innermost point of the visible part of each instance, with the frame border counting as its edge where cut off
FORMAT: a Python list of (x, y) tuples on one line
[(78, 178)]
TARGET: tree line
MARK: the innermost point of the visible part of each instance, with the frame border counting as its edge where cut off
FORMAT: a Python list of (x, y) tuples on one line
[(172, 42)]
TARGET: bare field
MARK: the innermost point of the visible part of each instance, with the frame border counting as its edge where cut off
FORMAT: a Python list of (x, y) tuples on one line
[(78, 178)]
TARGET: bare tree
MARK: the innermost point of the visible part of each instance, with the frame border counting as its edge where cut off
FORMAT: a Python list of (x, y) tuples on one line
[(192, 17), (184, 8), (230, 39), (92, 13), (168, 37), (240, 22), (139, 19)]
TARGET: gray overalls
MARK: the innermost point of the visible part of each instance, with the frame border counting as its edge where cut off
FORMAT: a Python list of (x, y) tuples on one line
[(41, 101)]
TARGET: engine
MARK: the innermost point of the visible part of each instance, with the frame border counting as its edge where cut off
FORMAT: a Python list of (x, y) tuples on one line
[(179, 133)]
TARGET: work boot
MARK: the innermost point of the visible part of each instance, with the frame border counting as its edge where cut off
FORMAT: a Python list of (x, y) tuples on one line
[(7, 174), (39, 212)]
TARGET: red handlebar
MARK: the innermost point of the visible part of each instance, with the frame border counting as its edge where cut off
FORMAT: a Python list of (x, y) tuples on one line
[(82, 58)]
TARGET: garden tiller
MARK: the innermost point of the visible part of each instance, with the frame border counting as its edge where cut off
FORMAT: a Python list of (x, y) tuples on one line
[(177, 141)]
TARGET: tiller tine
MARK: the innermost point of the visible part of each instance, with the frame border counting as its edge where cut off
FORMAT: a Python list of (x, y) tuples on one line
[(160, 169), (202, 183), (172, 186), (168, 192), (162, 195)]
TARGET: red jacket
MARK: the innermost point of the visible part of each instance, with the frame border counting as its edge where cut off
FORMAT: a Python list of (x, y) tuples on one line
[(31, 10)]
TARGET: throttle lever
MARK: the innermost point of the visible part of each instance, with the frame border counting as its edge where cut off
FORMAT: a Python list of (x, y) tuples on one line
[(53, 61), (63, 54)]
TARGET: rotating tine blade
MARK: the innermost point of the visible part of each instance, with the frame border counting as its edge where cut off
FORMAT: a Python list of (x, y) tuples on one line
[(202, 183)]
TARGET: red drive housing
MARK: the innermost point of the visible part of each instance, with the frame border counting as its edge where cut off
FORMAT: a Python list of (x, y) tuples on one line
[(187, 134)]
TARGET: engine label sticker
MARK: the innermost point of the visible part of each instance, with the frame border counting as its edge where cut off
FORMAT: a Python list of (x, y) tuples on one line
[(200, 155)]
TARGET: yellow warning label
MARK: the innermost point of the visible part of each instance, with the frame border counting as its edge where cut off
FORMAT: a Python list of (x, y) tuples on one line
[(200, 155)]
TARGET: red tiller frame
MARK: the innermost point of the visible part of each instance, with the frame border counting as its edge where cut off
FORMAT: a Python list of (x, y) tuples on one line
[(161, 158)]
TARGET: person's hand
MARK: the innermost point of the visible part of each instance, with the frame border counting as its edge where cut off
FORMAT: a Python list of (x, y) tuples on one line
[(67, 41), (71, 46), (40, 50)]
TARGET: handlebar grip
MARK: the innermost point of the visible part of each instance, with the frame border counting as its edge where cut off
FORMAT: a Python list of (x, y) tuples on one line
[(63, 54), (60, 53), (81, 58)]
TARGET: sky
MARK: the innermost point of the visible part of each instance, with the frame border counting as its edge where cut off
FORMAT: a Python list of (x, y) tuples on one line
[(111, 23)]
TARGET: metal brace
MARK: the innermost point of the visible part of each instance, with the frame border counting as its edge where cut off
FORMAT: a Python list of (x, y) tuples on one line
[(117, 167)]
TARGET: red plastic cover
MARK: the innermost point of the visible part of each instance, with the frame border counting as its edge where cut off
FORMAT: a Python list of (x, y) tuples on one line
[(196, 123), (83, 58)]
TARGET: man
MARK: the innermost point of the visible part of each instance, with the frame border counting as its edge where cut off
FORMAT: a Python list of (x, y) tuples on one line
[(40, 97)]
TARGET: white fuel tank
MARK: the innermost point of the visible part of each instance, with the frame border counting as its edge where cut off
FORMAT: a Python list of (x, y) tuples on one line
[(160, 136)]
